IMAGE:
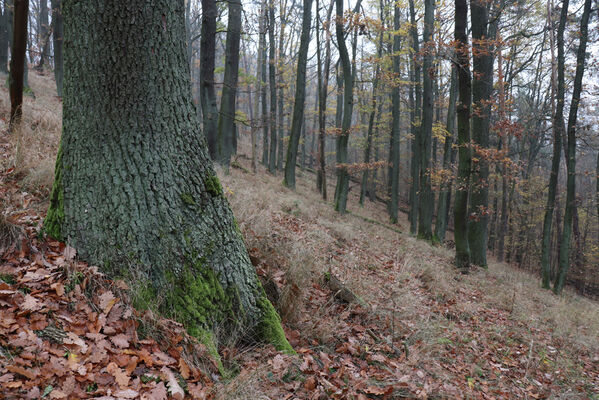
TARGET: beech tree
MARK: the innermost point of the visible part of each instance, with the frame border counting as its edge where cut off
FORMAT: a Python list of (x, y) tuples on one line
[(135, 191), (300, 97), (460, 208)]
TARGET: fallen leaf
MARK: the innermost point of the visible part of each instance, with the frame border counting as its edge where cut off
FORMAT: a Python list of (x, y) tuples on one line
[(158, 393), (30, 303), (184, 369), (119, 375), (120, 340), (127, 394), (173, 386)]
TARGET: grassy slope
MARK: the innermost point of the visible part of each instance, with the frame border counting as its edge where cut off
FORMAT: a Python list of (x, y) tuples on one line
[(427, 330)]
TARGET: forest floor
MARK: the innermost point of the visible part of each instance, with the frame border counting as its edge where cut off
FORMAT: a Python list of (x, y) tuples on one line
[(417, 329)]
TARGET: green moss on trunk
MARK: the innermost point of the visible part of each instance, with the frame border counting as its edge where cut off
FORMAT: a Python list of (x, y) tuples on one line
[(55, 215), (270, 329)]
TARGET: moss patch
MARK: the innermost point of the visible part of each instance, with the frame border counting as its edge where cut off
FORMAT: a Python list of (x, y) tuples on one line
[(270, 329), (55, 216), (213, 186), (188, 199)]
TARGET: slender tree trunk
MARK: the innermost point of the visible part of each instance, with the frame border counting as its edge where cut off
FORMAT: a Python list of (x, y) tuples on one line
[(482, 86), (253, 108), (4, 39), (558, 89), (396, 119), (18, 61), (460, 208), (57, 43), (564, 261), (441, 222), (415, 102), (369, 136), (43, 33), (164, 223), (272, 162), (426, 201), (226, 129), (323, 83), (342, 188), (263, 95), (300, 97), (207, 62), (597, 193)]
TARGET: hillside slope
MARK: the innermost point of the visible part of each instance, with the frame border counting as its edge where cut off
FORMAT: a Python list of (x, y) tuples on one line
[(416, 329)]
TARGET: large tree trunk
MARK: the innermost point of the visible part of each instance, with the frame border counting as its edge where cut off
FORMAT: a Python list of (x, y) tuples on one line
[(272, 161), (57, 43), (441, 222), (18, 61), (415, 102), (396, 119), (226, 129), (207, 92), (564, 261), (426, 199), (135, 191), (300, 97), (482, 86), (460, 208)]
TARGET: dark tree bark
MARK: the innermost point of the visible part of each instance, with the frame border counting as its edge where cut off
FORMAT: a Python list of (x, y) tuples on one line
[(135, 191), (426, 199), (460, 208), (263, 95), (564, 261), (441, 222), (558, 132), (226, 129), (482, 86), (18, 61), (4, 39), (272, 162), (300, 97), (396, 120), (57, 33), (207, 91), (342, 187), (415, 102)]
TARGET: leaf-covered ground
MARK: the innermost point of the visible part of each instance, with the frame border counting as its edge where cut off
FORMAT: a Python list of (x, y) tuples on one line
[(417, 330)]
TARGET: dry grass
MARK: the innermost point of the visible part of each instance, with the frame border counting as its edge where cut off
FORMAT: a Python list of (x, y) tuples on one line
[(299, 234), (35, 142)]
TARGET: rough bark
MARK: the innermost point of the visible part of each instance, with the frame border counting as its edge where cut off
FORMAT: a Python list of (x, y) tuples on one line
[(564, 261), (57, 33), (460, 208), (135, 191), (226, 129), (426, 201), (207, 91), (18, 61), (300, 97)]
